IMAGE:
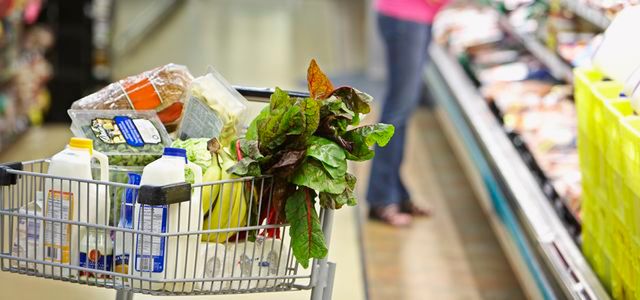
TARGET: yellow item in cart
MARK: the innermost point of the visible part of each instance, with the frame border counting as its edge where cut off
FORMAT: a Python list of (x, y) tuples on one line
[(223, 201)]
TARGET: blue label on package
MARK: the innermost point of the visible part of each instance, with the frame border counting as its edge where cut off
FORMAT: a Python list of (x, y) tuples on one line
[(95, 260), (129, 131), (127, 206), (150, 250)]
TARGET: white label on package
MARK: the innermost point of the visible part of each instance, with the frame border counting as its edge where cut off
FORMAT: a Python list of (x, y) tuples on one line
[(56, 234), (199, 121), (150, 250), (149, 133)]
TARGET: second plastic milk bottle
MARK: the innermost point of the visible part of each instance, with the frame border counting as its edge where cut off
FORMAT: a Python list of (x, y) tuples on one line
[(167, 257)]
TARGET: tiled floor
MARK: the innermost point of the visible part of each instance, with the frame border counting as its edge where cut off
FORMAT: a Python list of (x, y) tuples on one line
[(452, 255)]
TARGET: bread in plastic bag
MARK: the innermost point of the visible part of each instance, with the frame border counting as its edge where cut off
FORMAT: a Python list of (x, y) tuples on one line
[(161, 89)]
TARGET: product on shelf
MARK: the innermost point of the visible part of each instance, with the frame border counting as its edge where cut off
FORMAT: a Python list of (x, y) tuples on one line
[(162, 89), (24, 71), (544, 116)]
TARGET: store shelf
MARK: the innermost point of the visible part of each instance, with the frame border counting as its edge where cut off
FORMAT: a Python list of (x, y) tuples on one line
[(553, 260), (559, 68), (590, 14)]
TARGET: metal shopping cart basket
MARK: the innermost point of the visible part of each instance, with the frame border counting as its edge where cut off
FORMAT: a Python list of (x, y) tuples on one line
[(246, 256)]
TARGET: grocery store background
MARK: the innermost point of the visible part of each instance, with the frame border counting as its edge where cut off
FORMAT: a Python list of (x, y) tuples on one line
[(492, 148)]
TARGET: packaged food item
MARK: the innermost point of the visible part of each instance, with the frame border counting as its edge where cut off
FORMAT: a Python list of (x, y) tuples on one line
[(214, 109), (65, 200), (124, 240), (161, 257), (129, 138), (211, 259), (161, 89), (26, 238), (256, 259), (96, 252)]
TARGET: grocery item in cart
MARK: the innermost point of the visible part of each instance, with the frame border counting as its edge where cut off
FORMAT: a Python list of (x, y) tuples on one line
[(166, 257), (214, 109), (161, 89), (72, 200), (129, 138), (124, 240), (96, 252), (212, 263), (197, 153), (224, 205), (26, 236), (260, 259)]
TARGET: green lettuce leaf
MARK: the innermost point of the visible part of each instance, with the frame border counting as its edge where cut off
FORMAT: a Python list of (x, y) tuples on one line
[(347, 197), (313, 175), (365, 137), (330, 154), (307, 240)]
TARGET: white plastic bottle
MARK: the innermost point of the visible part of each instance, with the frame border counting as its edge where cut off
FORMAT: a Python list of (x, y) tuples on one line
[(167, 258), (69, 199)]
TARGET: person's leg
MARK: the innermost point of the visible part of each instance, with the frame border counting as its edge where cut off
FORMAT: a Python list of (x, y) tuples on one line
[(406, 47)]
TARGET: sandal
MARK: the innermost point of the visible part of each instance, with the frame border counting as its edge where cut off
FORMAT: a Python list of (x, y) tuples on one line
[(409, 207), (391, 215)]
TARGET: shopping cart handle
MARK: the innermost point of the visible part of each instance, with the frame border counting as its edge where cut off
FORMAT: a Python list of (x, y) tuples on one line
[(265, 92), (7, 178), (164, 195)]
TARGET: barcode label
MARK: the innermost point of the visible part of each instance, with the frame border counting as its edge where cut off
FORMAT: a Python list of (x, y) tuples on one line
[(59, 205)]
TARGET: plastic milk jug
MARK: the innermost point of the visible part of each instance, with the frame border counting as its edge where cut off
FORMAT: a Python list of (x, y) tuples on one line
[(167, 257), (72, 200)]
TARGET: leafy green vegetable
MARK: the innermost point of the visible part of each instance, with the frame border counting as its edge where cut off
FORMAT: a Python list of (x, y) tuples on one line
[(312, 174), (197, 153), (336, 201), (307, 240), (305, 144), (363, 138), (330, 154)]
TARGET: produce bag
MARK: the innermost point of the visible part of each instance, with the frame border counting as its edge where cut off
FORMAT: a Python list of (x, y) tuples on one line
[(214, 109), (161, 89)]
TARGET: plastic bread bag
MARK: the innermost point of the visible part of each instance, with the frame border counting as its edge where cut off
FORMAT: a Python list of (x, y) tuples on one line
[(161, 89), (213, 109)]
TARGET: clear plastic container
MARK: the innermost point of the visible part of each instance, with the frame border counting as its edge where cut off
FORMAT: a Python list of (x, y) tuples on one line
[(213, 109), (128, 138)]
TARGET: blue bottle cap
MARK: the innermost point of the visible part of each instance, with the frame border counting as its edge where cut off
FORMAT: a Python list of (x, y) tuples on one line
[(179, 152)]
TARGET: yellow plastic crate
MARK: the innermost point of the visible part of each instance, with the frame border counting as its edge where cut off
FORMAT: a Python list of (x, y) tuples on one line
[(631, 152)]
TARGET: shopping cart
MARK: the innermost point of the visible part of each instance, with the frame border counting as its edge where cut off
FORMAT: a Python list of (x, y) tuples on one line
[(247, 256)]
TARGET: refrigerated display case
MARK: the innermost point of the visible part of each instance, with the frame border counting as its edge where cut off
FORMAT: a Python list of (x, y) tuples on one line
[(535, 226)]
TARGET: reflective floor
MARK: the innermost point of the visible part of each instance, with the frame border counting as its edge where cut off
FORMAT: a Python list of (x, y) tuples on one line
[(453, 255)]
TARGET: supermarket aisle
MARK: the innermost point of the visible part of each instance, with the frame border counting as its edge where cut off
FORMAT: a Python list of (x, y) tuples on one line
[(452, 255), (250, 43)]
